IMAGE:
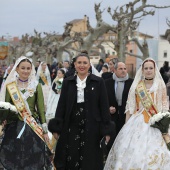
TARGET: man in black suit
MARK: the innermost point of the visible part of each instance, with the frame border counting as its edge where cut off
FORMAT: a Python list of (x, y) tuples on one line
[(117, 89)]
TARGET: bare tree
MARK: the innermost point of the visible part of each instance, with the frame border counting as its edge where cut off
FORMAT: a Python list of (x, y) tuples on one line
[(128, 19), (143, 48), (94, 33), (167, 34)]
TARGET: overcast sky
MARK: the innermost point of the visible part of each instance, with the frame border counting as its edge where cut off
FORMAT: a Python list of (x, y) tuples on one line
[(18, 17)]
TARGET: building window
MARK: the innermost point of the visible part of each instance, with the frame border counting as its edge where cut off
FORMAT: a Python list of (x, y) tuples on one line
[(112, 37), (113, 53), (131, 51), (165, 54)]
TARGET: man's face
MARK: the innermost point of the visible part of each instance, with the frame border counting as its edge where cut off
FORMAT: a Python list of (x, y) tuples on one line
[(37, 64), (66, 64), (121, 71)]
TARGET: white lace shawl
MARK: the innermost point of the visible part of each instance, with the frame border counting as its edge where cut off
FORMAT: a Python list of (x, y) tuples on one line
[(31, 88), (158, 87)]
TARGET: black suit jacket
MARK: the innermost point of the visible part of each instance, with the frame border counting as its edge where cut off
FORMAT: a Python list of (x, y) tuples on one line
[(118, 117)]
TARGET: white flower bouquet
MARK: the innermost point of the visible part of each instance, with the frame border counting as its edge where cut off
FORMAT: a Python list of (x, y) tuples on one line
[(6, 110), (161, 121)]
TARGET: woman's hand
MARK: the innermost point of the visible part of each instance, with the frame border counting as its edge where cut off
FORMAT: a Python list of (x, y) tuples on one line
[(56, 136), (128, 115), (46, 137), (107, 139)]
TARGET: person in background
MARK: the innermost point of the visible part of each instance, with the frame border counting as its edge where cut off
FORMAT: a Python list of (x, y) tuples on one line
[(147, 96), (105, 68), (54, 94), (100, 65), (24, 149), (117, 90), (66, 65), (165, 73), (7, 71), (165, 67), (44, 78), (71, 70), (1, 76), (37, 65), (81, 120), (111, 64)]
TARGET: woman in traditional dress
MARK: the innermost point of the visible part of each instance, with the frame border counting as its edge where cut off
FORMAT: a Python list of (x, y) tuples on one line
[(138, 145), (54, 94), (44, 78), (23, 145), (82, 118)]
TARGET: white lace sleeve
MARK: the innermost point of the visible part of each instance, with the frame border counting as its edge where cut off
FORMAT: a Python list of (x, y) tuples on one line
[(131, 102), (162, 100)]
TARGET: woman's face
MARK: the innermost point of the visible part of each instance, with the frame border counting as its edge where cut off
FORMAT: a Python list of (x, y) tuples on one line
[(60, 74), (82, 65), (149, 70), (44, 65), (104, 69), (111, 66), (24, 70)]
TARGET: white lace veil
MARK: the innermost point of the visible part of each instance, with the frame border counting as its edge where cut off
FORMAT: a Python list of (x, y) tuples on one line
[(158, 87), (47, 73), (13, 76), (94, 70)]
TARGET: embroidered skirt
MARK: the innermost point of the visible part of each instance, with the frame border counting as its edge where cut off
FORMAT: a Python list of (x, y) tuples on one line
[(26, 153), (76, 139)]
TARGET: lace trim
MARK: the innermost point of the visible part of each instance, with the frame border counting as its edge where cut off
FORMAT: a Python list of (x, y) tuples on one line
[(30, 90)]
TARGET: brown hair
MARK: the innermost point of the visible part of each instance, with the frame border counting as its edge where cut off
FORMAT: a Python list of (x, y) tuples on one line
[(83, 53), (24, 60), (148, 61)]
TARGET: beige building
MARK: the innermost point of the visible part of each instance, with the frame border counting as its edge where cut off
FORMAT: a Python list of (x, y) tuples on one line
[(79, 25)]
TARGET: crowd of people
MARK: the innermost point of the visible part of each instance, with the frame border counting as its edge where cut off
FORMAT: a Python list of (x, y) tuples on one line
[(98, 115)]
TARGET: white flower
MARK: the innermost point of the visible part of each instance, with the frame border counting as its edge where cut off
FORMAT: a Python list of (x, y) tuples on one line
[(157, 117), (7, 105)]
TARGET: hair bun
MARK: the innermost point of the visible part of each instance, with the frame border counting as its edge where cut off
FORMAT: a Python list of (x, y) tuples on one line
[(84, 51)]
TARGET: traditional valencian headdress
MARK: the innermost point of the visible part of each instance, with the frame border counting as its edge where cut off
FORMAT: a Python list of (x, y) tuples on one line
[(158, 87), (13, 76)]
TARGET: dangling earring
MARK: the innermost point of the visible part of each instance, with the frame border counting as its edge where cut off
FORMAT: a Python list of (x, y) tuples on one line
[(16, 74), (75, 73)]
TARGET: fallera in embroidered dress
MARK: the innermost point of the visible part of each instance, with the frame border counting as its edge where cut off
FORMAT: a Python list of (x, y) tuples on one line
[(27, 152), (53, 101), (138, 146)]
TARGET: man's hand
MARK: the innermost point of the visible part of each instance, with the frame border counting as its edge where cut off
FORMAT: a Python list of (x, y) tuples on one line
[(56, 136), (107, 139), (46, 138)]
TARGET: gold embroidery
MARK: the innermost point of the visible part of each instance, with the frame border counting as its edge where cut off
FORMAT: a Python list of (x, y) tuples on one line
[(154, 160), (163, 157)]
